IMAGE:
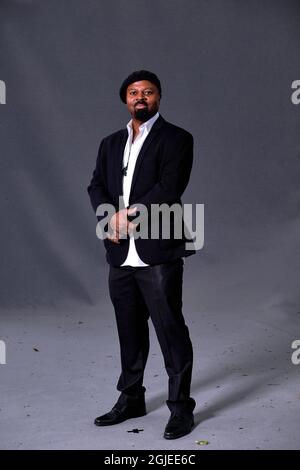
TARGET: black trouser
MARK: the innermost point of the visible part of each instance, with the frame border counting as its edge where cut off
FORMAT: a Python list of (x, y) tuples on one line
[(155, 290)]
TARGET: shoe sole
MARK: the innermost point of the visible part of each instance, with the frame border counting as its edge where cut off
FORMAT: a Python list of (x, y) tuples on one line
[(180, 435), (138, 415)]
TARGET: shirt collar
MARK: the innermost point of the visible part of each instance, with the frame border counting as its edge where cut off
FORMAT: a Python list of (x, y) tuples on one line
[(146, 125)]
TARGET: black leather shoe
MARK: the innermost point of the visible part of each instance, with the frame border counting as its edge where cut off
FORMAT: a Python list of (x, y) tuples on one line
[(118, 414), (178, 426)]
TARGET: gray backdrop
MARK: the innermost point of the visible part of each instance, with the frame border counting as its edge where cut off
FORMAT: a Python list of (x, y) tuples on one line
[(226, 69)]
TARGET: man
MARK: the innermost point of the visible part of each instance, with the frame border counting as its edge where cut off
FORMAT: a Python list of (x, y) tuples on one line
[(147, 163)]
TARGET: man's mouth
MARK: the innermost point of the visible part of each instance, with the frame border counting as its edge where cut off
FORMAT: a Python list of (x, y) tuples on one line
[(140, 105)]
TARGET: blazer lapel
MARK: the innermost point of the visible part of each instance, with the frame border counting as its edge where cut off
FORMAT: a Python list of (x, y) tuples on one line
[(119, 163), (152, 134)]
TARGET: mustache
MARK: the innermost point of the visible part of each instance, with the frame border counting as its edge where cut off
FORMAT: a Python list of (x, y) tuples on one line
[(140, 102)]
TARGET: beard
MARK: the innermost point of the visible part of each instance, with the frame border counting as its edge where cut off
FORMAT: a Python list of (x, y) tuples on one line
[(144, 114)]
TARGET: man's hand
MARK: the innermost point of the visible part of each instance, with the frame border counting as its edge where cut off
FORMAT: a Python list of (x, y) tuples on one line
[(120, 224)]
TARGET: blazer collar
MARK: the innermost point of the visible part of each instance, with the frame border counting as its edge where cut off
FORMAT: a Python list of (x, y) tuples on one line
[(157, 126)]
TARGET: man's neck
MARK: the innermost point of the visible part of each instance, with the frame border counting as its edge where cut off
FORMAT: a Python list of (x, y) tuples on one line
[(135, 127), (135, 123)]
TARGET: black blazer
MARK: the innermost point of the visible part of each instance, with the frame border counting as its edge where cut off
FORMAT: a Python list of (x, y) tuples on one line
[(161, 174)]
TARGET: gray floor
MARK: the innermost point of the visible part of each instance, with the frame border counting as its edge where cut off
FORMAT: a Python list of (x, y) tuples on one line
[(243, 311), (246, 387)]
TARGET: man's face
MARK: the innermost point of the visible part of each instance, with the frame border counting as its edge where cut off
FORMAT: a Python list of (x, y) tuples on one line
[(142, 99)]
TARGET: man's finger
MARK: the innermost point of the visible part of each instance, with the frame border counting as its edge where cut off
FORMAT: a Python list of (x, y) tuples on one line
[(113, 238), (132, 210)]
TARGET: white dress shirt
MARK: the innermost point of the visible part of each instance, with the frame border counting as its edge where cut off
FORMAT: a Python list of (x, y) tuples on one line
[(132, 150)]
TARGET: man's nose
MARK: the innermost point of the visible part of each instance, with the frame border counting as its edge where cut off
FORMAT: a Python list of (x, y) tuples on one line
[(140, 96)]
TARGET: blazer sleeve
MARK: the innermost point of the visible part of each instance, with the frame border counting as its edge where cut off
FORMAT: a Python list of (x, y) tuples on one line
[(97, 189), (174, 175)]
